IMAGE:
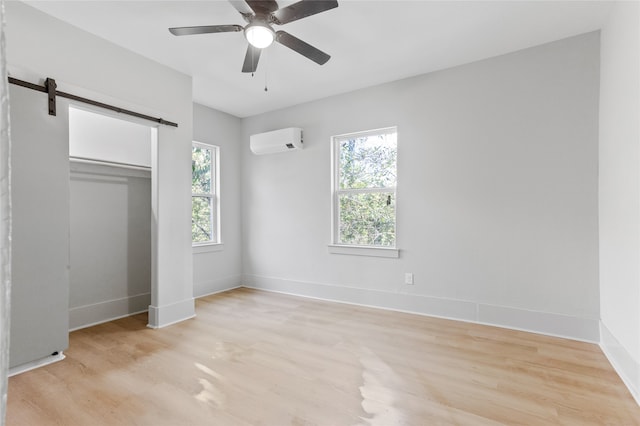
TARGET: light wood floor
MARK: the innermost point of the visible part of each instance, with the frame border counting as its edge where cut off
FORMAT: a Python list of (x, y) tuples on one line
[(257, 358)]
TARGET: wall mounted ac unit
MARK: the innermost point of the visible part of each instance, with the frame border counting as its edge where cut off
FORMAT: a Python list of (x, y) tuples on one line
[(276, 141)]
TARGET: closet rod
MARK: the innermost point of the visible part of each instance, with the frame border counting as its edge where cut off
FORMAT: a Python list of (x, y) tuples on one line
[(50, 88)]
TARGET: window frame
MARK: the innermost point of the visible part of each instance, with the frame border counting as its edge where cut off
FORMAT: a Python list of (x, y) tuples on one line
[(336, 247), (214, 197)]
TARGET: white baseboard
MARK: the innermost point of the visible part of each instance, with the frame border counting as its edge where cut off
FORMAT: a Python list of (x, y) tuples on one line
[(97, 313), (166, 315), (565, 326), (23, 368), (548, 323), (627, 368), (219, 291), (216, 286)]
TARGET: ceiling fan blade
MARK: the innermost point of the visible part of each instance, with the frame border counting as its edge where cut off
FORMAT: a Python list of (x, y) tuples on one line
[(262, 7), (302, 9), (242, 7), (180, 31), (305, 49), (251, 59)]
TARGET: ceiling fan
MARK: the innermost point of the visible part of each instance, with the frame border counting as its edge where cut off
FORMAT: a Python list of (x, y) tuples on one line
[(260, 15)]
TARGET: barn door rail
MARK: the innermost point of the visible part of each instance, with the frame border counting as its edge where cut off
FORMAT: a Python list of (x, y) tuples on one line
[(49, 88)]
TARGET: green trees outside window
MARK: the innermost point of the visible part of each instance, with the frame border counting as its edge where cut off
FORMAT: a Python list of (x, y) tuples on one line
[(203, 196), (365, 188)]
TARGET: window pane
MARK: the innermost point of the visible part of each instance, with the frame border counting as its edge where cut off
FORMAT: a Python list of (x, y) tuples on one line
[(201, 170), (201, 220), (368, 162), (367, 219)]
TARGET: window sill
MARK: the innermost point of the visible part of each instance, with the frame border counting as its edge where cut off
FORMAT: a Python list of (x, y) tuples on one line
[(207, 248), (364, 251)]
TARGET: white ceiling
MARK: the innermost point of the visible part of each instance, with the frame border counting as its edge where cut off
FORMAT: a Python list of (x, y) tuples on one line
[(370, 42)]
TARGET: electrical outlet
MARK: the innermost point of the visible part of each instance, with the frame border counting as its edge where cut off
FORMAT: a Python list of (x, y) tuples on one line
[(408, 278)]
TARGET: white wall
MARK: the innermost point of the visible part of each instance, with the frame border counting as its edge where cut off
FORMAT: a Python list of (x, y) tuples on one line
[(101, 137), (110, 263), (620, 191), (220, 269), (497, 194), (40, 46)]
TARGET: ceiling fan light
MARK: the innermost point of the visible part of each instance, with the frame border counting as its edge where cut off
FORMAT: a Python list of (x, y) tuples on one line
[(259, 35)]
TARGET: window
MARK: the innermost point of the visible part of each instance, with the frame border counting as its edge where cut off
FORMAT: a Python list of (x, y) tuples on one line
[(204, 194), (364, 188)]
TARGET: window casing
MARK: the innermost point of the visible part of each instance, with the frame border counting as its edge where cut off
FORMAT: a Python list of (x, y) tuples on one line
[(205, 205), (364, 188)]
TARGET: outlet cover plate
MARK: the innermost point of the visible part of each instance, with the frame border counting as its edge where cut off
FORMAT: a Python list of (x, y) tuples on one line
[(408, 278)]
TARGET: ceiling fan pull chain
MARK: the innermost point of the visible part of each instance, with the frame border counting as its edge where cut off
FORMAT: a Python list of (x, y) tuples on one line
[(266, 71)]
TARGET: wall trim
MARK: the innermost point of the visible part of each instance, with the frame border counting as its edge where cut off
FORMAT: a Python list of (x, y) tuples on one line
[(98, 313), (209, 287), (623, 363), (219, 291), (207, 248), (551, 324), (364, 251), (23, 368), (164, 316), (81, 168)]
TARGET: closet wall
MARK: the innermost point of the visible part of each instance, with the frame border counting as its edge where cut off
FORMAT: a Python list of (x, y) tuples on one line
[(110, 211)]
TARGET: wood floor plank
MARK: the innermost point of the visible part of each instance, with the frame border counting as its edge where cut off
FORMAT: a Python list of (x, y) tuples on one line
[(259, 358)]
